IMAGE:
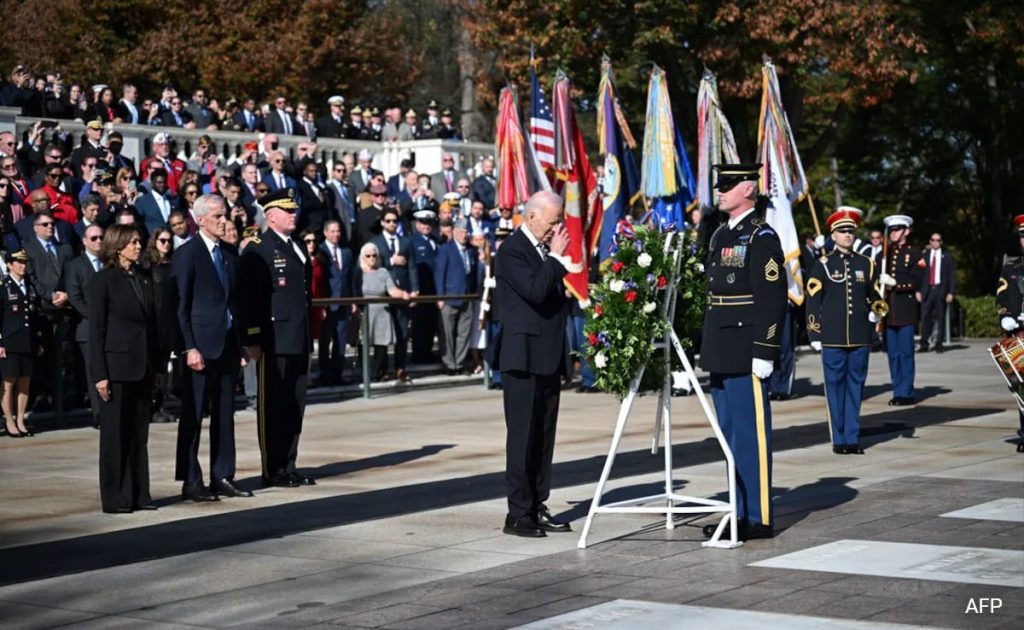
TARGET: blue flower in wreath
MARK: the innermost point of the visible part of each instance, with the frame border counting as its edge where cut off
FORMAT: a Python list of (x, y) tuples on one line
[(651, 279), (629, 285), (602, 338)]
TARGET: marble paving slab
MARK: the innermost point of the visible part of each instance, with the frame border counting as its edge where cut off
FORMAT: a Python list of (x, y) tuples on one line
[(624, 614), (1011, 510), (968, 565)]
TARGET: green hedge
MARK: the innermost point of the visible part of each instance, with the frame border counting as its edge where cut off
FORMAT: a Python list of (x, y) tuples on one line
[(979, 316)]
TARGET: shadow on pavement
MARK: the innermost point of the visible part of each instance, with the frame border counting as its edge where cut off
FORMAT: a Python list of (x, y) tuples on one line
[(97, 551)]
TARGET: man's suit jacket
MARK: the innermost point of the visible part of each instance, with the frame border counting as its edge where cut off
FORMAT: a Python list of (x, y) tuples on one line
[(405, 276), (203, 302), (483, 190), (439, 184), (147, 206), (355, 179), (316, 207), (240, 121), (46, 274), (167, 118), (450, 276), (271, 181), (367, 226), (344, 209), (339, 281), (63, 230), (275, 124), (533, 303), (80, 271), (947, 274), (122, 327), (395, 184), (121, 111)]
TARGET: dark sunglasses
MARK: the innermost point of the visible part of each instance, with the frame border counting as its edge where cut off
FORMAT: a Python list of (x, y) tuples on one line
[(262, 191), (55, 174), (89, 164), (307, 241), (163, 240), (7, 166), (4, 185), (388, 221), (95, 238), (191, 192), (378, 194), (369, 255), (936, 240), (45, 224)]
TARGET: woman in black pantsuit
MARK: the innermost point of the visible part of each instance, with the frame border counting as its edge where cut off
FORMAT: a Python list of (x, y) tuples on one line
[(123, 352)]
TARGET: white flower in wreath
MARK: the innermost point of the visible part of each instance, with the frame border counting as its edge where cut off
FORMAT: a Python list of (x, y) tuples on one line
[(616, 286), (699, 267), (644, 260), (649, 307), (600, 361)]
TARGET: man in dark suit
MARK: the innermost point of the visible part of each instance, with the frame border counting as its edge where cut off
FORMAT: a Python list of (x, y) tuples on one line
[(282, 122), (317, 209), (455, 274), (274, 288), (337, 259), (368, 219), (359, 179), (276, 177), (342, 199), (204, 272), (247, 118), (177, 116), (63, 232), (479, 223), (936, 292), (47, 263), (79, 272), (424, 317), (483, 186), (155, 205), (399, 258), (397, 181), (533, 359), (332, 124)]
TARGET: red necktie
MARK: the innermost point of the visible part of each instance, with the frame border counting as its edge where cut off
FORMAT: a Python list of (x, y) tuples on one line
[(935, 274), (337, 261)]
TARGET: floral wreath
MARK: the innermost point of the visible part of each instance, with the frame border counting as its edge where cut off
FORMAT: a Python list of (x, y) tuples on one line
[(626, 307)]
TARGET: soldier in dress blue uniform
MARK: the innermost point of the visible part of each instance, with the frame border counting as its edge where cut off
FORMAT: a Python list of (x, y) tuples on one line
[(742, 333), (1010, 297), (20, 340), (840, 292), (902, 274), (274, 279)]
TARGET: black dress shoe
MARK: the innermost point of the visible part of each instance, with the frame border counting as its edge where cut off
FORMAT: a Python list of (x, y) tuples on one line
[(522, 526), (197, 493), (302, 480), (781, 397), (120, 510), (148, 507), (280, 481), (15, 434), (227, 488), (905, 402), (839, 449), (545, 522), (894, 402), (854, 449), (709, 530), (496, 386), (754, 531), (1020, 447), (939, 349)]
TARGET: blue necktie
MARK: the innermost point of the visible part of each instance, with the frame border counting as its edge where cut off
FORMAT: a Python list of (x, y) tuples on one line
[(218, 262), (96, 263)]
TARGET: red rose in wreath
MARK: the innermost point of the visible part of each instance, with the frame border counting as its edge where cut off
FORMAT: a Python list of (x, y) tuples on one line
[(598, 310), (630, 297), (662, 281), (592, 338), (617, 266)]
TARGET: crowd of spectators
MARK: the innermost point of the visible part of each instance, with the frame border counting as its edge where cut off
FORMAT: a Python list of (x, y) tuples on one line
[(59, 193), (49, 97)]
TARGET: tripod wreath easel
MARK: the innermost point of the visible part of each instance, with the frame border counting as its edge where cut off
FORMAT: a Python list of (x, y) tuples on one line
[(671, 502)]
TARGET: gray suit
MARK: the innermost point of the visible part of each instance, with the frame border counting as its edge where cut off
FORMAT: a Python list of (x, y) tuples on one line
[(438, 183)]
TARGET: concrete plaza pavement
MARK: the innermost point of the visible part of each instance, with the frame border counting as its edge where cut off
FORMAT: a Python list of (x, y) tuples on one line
[(404, 528)]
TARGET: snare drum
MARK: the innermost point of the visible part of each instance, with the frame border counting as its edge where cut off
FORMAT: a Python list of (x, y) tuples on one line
[(1009, 356)]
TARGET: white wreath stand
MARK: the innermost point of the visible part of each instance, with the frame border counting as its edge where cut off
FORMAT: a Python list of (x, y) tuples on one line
[(672, 503)]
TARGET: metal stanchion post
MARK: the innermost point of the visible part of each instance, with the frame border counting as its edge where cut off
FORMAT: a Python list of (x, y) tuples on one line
[(365, 326)]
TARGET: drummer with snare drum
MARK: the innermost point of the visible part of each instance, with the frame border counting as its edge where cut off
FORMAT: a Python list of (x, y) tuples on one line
[(1009, 296)]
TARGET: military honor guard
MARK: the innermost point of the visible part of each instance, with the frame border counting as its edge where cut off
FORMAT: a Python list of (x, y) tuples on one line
[(840, 295), (20, 341), (1010, 297), (742, 333), (274, 290), (901, 275)]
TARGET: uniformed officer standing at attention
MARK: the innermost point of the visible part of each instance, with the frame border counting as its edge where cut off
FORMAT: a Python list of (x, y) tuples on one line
[(901, 275), (742, 333), (274, 281), (840, 291), (20, 339), (1010, 297)]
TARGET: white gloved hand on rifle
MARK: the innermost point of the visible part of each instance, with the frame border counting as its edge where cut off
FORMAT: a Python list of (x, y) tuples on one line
[(490, 283), (1009, 324), (819, 241), (872, 317), (887, 280), (816, 346)]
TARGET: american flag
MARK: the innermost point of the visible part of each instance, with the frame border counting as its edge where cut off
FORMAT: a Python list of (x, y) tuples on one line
[(542, 126)]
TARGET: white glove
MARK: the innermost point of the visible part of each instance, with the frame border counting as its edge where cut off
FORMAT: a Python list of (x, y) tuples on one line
[(887, 280), (761, 369), (490, 283), (872, 317), (1009, 324), (819, 241), (816, 346)]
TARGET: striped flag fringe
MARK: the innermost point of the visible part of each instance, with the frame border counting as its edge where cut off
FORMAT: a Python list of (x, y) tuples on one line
[(621, 182), (511, 151), (715, 142), (658, 172)]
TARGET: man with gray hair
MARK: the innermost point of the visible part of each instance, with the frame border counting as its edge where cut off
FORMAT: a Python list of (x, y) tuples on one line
[(204, 273), (532, 353), (359, 178), (455, 274)]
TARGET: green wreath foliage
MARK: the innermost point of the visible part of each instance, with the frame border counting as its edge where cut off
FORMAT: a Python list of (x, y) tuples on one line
[(626, 310)]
